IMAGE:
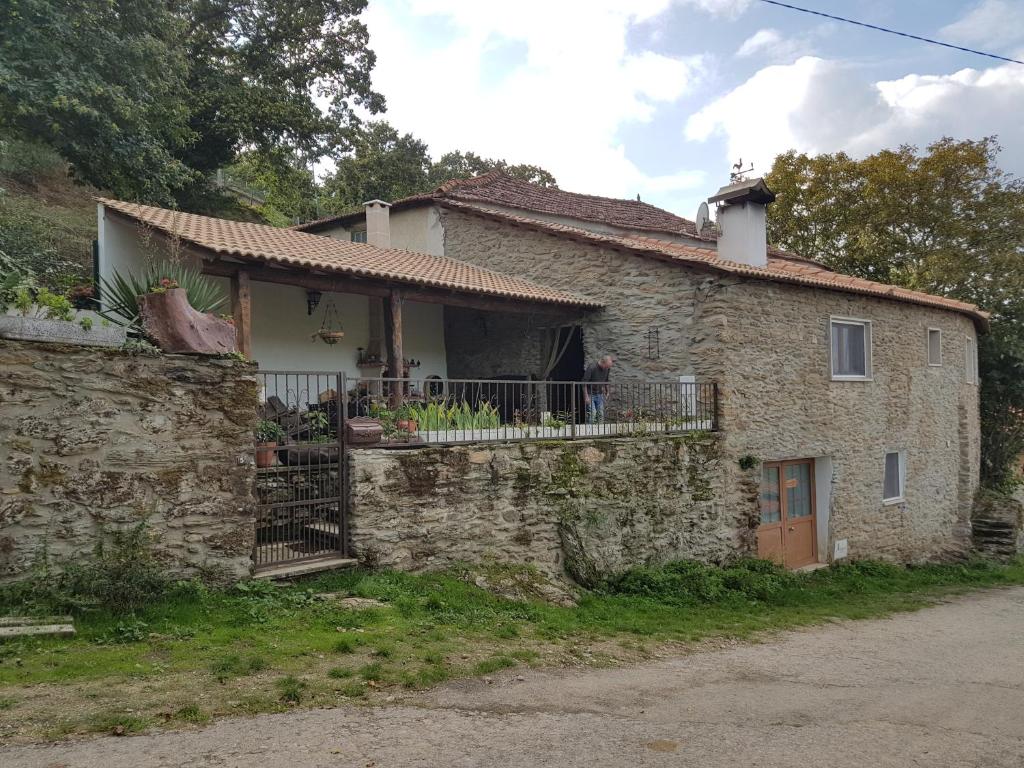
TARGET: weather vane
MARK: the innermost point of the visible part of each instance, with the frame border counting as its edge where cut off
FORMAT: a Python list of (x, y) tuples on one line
[(738, 172)]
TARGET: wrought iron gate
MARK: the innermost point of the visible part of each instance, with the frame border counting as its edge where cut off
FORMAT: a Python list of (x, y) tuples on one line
[(300, 475)]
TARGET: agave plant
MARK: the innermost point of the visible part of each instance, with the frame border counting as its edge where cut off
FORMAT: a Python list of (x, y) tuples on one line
[(121, 293)]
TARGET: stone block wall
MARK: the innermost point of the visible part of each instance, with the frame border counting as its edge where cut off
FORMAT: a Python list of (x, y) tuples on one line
[(638, 294), (768, 346), (584, 508), (96, 440)]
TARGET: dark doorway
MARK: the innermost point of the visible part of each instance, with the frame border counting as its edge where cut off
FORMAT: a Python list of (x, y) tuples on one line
[(568, 368)]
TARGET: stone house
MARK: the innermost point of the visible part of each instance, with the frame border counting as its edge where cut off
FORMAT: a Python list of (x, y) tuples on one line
[(761, 403), (856, 401)]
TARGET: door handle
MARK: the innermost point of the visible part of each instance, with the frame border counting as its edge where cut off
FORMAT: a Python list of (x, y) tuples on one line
[(791, 528)]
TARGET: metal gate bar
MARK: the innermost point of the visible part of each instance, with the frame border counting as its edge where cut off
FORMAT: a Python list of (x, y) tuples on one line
[(300, 489)]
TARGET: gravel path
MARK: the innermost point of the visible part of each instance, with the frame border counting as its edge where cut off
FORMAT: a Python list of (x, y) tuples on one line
[(941, 687)]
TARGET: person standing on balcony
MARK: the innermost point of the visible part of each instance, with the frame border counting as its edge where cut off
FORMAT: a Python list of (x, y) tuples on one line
[(595, 388)]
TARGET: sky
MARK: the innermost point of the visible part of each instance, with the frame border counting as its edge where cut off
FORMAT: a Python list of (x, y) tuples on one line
[(659, 98)]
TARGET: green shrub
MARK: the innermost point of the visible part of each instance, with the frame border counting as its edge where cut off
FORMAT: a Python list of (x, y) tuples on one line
[(690, 582), (122, 576)]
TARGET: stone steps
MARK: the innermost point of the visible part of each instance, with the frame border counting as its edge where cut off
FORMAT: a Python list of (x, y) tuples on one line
[(284, 571)]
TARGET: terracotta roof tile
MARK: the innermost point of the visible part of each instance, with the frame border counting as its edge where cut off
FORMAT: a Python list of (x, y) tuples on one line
[(500, 189), (497, 188), (314, 252), (782, 267)]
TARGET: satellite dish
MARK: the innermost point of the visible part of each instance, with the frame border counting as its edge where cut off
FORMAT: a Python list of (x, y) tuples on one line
[(702, 217)]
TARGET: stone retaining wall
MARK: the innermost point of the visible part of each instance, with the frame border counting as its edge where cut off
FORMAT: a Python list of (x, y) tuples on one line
[(587, 508), (96, 440)]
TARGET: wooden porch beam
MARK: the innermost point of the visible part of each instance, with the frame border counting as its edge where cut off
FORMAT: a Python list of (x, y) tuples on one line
[(396, 355), (241, 310)]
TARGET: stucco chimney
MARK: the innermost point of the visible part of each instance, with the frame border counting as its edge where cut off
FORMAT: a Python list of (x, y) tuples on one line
[(743, 234), (378, 223)]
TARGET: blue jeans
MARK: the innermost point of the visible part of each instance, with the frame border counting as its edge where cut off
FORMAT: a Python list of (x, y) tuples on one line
[(595, 409)]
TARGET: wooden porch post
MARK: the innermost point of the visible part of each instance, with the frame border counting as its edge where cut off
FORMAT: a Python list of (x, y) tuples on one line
[(241, 310), (396, 357)]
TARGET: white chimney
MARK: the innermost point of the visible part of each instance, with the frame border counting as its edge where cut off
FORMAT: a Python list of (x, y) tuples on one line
[(743, 234), (378, 223)]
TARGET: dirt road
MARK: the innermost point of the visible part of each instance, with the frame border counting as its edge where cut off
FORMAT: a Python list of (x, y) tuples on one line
[(942, 687)]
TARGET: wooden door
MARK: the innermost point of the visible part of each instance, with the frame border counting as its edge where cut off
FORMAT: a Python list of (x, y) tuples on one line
[(788, 530)]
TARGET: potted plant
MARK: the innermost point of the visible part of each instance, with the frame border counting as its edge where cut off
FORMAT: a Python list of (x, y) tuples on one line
[(268, 435), (405, 419)]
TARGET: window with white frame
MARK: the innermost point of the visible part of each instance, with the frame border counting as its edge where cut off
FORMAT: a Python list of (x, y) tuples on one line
[(893, 483), (971, 361), (934, 346), (358, 235), (851, 348)]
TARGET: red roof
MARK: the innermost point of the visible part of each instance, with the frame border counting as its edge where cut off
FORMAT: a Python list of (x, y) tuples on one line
[(497, 188), (781, 266), (259, 242)]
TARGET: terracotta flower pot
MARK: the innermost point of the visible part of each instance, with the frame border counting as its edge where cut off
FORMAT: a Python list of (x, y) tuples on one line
[(266, 455), (407, 425)]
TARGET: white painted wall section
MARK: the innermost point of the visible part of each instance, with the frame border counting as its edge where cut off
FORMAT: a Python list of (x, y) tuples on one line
[(282, 331)]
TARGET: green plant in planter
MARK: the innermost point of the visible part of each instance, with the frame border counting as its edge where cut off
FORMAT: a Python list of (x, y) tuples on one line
[(53, 306), (121, 293), (85, 323), (269, 432), (553, 423), (319, 430)]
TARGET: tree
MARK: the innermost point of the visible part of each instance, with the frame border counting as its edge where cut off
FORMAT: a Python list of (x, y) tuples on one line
[(947, 221), (260, 67), (285, 180), (146, 98), (383, 165), (102, 83), (459, 165), (387, 165)]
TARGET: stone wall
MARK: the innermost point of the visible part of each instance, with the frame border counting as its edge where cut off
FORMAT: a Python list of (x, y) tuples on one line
[(586, 508), (767, 346), (96, 440), (638, 294)]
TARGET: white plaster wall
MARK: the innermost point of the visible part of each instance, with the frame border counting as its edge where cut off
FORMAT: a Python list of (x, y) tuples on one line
[(282, 331), (119, 246), (414, 229)]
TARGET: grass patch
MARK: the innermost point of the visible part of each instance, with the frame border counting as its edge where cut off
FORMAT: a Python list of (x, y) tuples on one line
[(190, 713), (345, 645), (291, 689), (493, 664), (252, 648), (353, 690)]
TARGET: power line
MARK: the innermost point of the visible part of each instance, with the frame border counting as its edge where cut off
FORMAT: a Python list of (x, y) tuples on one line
[(891, 31)]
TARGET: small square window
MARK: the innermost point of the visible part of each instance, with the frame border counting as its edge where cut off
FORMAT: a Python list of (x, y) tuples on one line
[(934, 346), (851, 349), (358, 235), (892, 485)]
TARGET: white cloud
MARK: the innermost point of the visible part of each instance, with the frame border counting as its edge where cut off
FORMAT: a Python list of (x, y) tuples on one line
[(566, 84), (993, 23), (728, 8), (759, 41), (815, 105), (769, 44)]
